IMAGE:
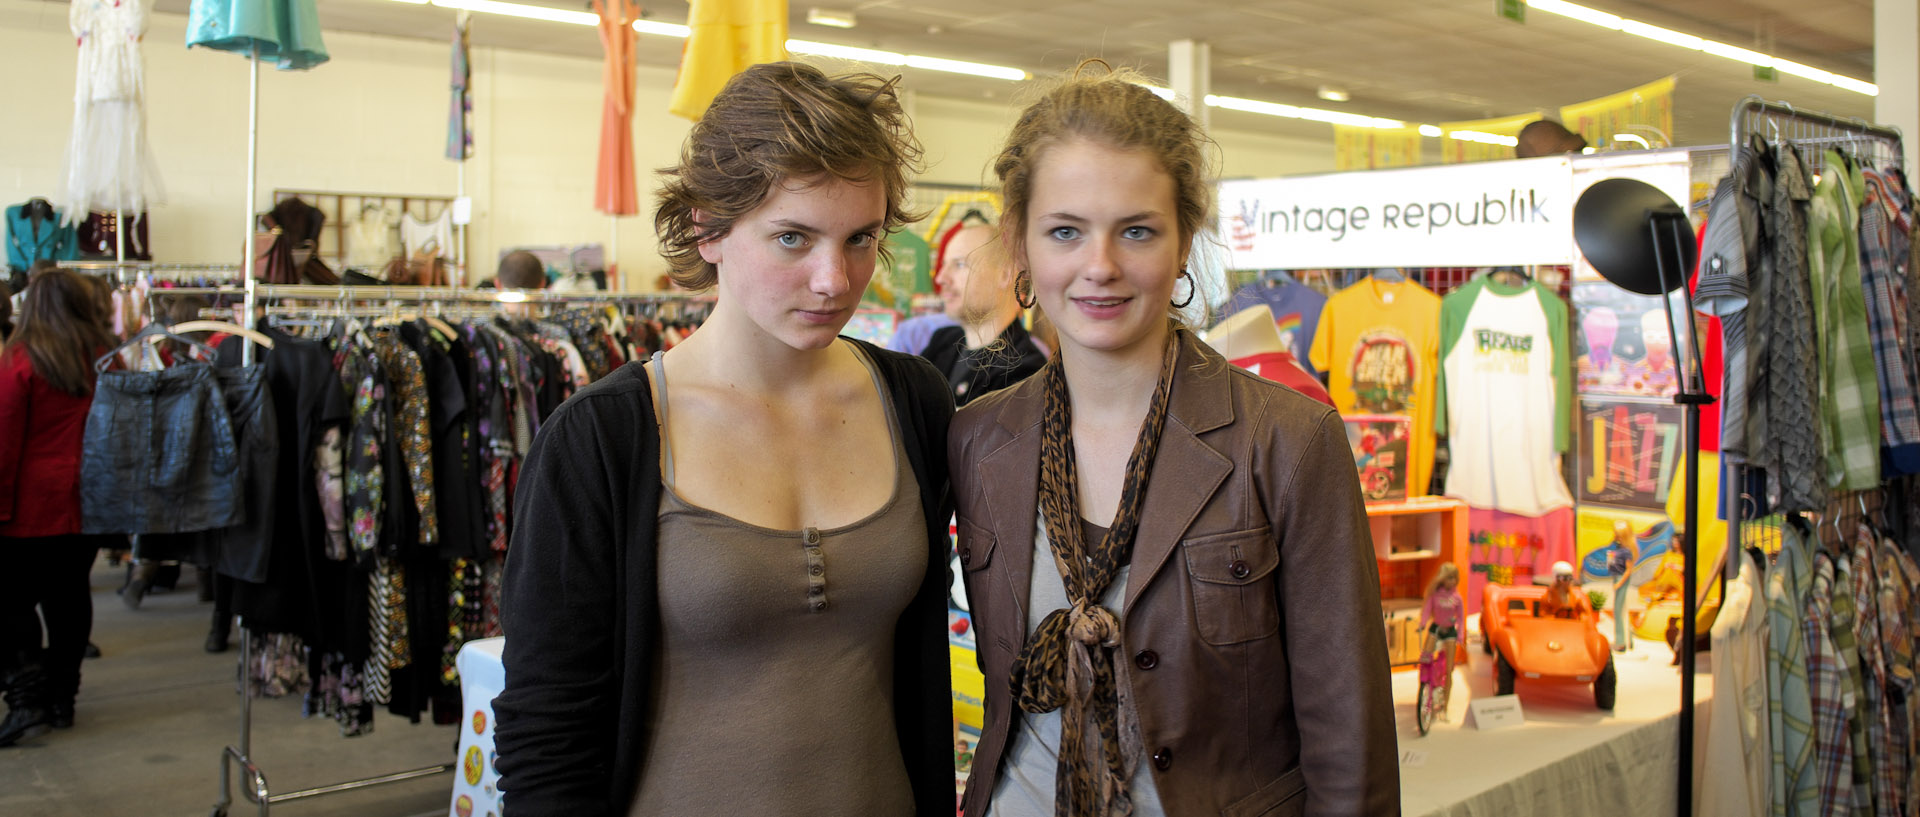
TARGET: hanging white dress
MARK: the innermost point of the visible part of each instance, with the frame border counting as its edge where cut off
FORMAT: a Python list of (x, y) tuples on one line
[(109, 163)]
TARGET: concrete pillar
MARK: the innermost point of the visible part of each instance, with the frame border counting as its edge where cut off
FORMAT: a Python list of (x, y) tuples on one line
[(1896, 69), (1189, 71)]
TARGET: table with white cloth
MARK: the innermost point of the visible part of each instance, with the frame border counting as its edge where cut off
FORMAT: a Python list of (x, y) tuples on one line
[(1569, 758)]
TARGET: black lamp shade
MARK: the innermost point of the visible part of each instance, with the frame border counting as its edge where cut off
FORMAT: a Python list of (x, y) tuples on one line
[(1612, 224)]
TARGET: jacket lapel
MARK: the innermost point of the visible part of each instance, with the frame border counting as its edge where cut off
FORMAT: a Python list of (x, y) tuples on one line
[(1010, 497), (1186, 471)]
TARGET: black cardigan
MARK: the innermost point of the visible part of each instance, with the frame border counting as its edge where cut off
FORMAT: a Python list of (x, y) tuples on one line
[(581, 608)]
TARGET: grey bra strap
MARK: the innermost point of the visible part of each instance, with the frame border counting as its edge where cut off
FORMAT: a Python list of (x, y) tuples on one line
[(658, 367)]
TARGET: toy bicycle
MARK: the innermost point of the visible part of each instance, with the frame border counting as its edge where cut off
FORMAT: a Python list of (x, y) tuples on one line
[(1436, 682)]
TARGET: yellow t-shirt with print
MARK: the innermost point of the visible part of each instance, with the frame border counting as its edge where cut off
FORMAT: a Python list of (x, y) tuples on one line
[(1379, 343)]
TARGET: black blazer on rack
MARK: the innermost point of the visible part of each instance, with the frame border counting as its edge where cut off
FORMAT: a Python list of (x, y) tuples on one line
[(581, 614)]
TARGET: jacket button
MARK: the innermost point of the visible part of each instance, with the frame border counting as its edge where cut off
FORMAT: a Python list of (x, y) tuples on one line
[(1146, 659), (1239, 569), (966, 555), (1163, 759)]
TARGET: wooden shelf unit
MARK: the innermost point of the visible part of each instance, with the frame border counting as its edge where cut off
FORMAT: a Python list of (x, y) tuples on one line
[(1411, 539)]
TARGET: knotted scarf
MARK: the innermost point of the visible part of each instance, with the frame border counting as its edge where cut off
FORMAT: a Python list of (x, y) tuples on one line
[(1068, 663)]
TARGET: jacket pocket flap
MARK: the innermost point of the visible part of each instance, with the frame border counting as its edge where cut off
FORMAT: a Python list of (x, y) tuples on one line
[(974, 546), (1283, 796), (1239, 557)]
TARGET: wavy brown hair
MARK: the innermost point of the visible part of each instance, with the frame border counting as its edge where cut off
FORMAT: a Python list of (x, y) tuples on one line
[(61, 330), (773, 123), (1114, 108)]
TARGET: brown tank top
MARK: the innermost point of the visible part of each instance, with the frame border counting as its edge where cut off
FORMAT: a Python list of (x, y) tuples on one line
[(773, 675)]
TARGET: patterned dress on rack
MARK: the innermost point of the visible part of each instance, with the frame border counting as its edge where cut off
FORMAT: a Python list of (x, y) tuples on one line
[(413, 428)]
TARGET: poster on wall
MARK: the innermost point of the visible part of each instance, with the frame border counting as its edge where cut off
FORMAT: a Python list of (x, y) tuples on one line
[(1621, 346), (1630, 452), (1379, 443)]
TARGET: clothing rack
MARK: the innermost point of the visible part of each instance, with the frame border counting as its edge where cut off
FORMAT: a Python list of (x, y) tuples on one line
[(1777, 122), (1781, 121), (341, 300)]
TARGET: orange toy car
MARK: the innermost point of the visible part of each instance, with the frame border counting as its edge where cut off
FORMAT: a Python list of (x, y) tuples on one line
[(1545, 649)]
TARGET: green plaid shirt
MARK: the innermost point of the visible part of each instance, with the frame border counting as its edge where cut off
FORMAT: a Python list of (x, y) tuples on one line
[(1849, 380)]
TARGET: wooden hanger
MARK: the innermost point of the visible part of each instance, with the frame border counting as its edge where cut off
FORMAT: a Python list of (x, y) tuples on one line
[(258, 337)]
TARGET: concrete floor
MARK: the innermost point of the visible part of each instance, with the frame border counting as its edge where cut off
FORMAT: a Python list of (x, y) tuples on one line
[(156, 710)]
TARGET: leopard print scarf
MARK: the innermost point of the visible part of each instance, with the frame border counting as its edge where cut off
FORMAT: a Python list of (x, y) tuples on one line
[(1068, 662)]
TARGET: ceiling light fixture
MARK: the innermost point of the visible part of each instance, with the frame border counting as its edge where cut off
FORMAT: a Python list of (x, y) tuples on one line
[(831, 18), (1483, 138), (1332, 94), (1692, 43), (554, 15), (1432, 131)]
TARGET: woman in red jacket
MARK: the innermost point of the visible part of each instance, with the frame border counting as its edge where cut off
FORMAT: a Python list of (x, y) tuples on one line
[(46, 388)]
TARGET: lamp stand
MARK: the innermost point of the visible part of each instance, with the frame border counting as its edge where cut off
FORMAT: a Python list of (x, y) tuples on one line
[(1670, 229)]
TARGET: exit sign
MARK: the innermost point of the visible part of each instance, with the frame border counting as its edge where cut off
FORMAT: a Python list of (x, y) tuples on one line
[(1515, 10)]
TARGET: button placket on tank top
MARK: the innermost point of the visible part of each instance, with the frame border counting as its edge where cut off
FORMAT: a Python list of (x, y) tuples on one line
[(816, 570)]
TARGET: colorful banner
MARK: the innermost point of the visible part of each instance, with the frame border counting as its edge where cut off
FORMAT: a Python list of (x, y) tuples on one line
[(1358, 148), (1630, 452), (1454, 150), (1646, 111), (1506, 213)]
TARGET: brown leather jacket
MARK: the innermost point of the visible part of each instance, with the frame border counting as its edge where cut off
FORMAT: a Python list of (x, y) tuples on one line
[(1252, 613)]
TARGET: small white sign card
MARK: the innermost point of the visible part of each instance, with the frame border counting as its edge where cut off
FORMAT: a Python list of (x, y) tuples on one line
[(1496, 712)]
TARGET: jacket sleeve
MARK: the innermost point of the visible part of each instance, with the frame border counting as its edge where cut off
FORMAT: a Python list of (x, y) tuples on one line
[(557, 714), (924, 691), (16, 403), (1330, 603)]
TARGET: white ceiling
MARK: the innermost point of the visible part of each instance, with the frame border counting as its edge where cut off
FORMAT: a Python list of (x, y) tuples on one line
[(1417, 60)]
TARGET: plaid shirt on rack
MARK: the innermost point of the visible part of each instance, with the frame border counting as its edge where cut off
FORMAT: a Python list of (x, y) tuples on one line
[(1888, 789), (1793, 789), (1827, 687), (1861, 711), (1883, 259), (1849, 390), (1898, 581)]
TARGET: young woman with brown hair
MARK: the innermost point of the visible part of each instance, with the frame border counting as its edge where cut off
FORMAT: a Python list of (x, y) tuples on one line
[(727, 581), (46, 389), (1167, 557)]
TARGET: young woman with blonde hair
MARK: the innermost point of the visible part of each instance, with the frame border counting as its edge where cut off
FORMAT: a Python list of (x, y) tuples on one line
[(1167, 558)]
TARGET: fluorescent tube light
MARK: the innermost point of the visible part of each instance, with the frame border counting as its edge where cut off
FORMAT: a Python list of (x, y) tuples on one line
[(1692, 43), (846, 52), (1658, 34), (831, 18), (1581, 13), (1628, 137), (1483, 138), (1431, 131), (1332, 94), (661, 29), (962, 67), (521, 10)]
